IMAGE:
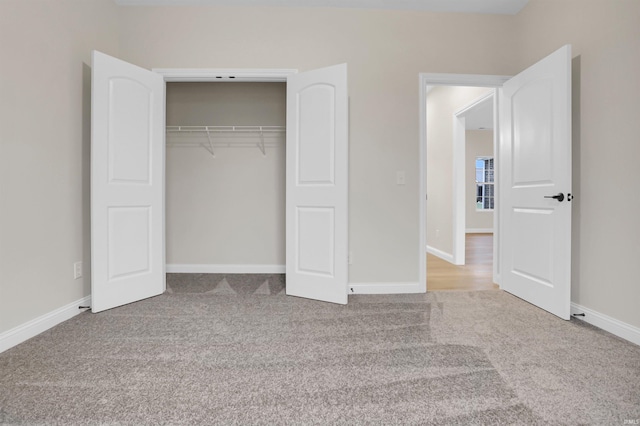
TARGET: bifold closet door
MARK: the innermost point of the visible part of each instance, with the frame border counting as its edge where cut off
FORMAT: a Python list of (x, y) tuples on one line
[(317, 185), (127, 183)]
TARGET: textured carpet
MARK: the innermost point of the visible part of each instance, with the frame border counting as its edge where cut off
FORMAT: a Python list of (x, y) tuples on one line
[(235, 350)]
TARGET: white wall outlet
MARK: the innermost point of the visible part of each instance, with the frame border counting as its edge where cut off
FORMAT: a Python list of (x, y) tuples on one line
[(350, 257), (400, 178), (437, 233), (77, 270)]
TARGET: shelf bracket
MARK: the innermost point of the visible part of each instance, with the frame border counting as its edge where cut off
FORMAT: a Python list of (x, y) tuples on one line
[(261, 144), (210, 148)]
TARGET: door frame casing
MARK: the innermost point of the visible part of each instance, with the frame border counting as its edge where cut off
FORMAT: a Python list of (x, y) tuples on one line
[(448, 79)]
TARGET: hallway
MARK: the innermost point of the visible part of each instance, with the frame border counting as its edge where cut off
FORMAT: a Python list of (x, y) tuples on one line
[(476, 274)]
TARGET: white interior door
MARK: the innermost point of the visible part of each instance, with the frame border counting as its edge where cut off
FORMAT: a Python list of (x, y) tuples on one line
[(535, 159), (317, 184), (127, 183)]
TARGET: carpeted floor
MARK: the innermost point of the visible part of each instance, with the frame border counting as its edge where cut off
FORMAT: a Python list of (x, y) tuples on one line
[(236, 350)]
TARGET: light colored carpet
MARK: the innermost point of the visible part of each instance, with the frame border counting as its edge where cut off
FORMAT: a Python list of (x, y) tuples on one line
[(235, 350)]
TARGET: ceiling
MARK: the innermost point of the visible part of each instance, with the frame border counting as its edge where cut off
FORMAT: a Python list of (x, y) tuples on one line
[(502, 7)]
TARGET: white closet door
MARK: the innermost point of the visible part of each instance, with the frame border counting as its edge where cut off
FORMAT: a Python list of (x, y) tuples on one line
[(535, 161), (127, 183), (317, 184)]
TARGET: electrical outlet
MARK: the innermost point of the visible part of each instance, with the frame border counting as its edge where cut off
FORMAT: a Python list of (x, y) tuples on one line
[(350, 258), (400, 178), (437, 233), (77, 270)]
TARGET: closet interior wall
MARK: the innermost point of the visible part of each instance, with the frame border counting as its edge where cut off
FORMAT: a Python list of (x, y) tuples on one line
[(228, 208)]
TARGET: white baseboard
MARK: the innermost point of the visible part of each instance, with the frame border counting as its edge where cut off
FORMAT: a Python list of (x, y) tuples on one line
[(225, 269), (386, 288), (479, 231), (441, 254), (26, 331), (605, 322)]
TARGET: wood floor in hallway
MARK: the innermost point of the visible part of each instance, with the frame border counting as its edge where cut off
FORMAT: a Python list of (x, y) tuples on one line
[(476, 274)]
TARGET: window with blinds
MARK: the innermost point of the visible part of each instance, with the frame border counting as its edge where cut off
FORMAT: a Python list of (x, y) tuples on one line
[(484, 183)]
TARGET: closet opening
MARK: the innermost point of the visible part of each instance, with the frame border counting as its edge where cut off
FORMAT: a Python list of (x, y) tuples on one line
[(225, 185)]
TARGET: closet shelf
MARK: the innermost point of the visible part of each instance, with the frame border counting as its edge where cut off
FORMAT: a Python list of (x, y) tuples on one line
[(225, 136)]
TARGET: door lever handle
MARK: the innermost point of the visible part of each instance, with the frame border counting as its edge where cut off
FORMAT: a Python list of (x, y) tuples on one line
[(559, 196)]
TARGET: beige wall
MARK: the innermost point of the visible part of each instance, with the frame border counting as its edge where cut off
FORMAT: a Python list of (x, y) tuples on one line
[(45, 84), (442, 103), (605, 37), (385, 52), (229, 209), (479, 143)]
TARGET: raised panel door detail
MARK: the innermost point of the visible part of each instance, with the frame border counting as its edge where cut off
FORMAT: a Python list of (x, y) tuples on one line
[(317, 184), (532, 109), (316, 139), (316, 247), (129, 138), (127, 185), (533, 254), (535, 159), (129, 241)]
